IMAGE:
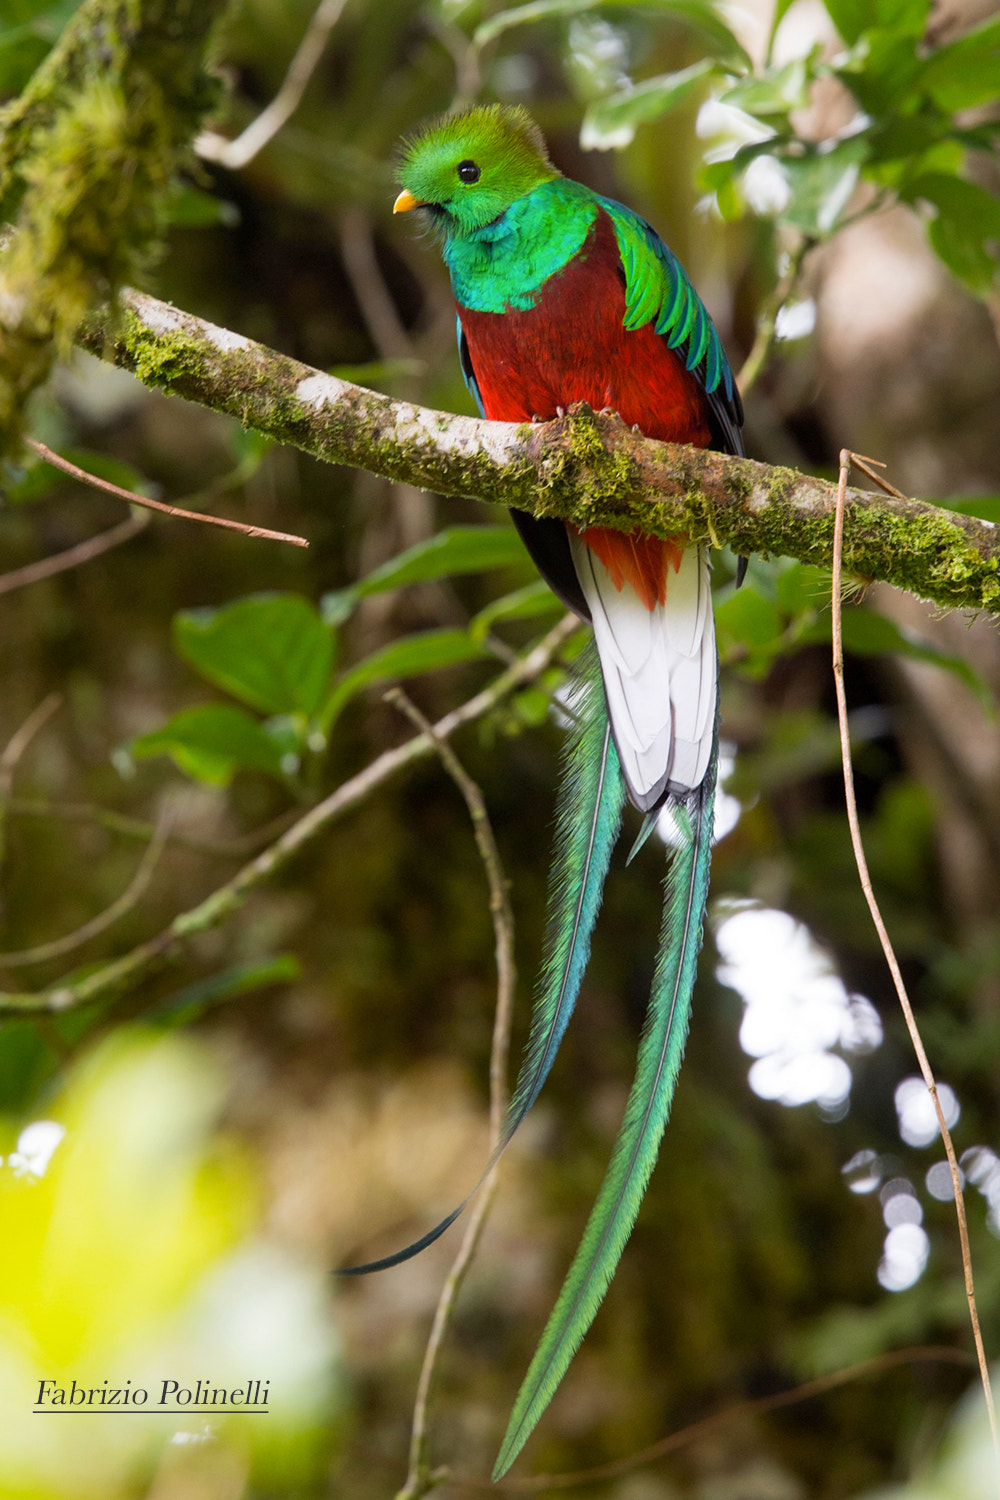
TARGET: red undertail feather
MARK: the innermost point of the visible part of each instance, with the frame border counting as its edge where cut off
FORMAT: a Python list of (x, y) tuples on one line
[(641, 561)]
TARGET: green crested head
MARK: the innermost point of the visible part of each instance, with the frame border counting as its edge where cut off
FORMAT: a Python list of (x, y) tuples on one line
[(468, 169)]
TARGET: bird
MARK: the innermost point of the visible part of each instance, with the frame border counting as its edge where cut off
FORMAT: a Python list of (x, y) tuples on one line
[(564, 296)]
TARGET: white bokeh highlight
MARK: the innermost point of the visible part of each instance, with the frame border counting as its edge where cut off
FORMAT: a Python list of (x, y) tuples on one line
[(797, 1008)]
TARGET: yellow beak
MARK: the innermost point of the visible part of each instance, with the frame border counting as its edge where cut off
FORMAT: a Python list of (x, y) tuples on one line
[(405, 202)]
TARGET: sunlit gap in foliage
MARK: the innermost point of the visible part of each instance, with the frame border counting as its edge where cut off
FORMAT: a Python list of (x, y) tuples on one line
[(35, 1145), (907, 1247), (728, 809), (797, 1008)]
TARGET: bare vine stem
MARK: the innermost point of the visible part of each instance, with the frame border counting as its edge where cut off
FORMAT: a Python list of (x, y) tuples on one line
[(420, 1478), (237, 153), (75, 472), (14, 749), (73, 557), (129, 898), (767, 322), (847, 458)]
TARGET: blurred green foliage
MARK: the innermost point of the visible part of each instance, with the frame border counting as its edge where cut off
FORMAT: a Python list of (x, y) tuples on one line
[(130, 1257)]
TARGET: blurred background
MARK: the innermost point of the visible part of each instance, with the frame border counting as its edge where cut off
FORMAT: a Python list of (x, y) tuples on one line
[(329, 1042)]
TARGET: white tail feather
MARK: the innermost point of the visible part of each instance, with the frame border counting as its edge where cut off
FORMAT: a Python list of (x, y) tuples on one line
[(659, 668)]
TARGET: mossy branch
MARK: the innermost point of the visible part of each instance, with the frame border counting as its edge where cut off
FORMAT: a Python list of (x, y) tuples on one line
[(88, 154), (585, 467)]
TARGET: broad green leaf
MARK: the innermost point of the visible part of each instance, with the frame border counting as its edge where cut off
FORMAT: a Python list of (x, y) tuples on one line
[(188, 207), (903, 17), (822, 184), (967, 221), (749, 629), (186, 1005), (211, 742), (427, 651), (534, 600), (983, 507), (851, 17), (882, 72), (777, 91), (867, 633), (802, 588), (28, 30), (965, 73), (612, 121), (271, 651), (457, 549)]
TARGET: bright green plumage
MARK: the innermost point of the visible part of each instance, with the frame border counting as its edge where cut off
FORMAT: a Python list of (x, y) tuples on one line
[(638, 1142), (564, 295)]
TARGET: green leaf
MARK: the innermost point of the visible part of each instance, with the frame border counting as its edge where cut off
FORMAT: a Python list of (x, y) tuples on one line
[(426, 651), (211, 742), (186, 1005), (851, 17), (821, 184), (188, 207), (702, 15), (749, 629), (983, 507), (28, 31), (40, 477), (776, 91), (534, 600), (902, 17), (867, 633), (613, 120), (271, 651), (965, 73), (802, 588), (457, 549), (967, 219)]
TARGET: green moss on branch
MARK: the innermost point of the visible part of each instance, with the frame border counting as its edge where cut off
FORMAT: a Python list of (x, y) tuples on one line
[(87, 157), (586, 467)]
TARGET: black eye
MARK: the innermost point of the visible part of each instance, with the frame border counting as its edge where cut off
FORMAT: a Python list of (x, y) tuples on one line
[(468, 171)]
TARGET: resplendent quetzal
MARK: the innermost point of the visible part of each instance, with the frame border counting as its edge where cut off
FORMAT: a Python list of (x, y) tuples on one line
[(566, 296)]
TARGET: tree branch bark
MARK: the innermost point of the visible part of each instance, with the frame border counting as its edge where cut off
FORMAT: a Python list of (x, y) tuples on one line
[(586, 467)]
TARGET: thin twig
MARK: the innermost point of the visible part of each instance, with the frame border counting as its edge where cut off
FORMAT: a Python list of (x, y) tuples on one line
[(129, 898), (158, 505), (21, 739), (73, 557), (767, 322), (138, 828), (371, 292), (743, 1409), (124, 973), (420, 1478), (14, 749), (235, 154), (846, 459)]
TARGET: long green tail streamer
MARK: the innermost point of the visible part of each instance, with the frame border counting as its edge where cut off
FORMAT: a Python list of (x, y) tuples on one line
[(635, 1150), (588, 816)]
